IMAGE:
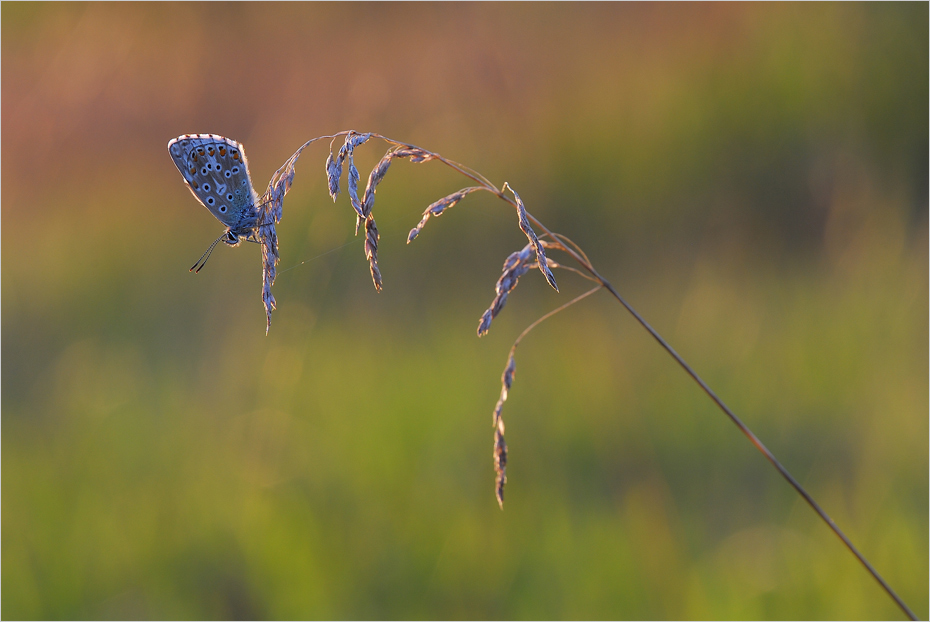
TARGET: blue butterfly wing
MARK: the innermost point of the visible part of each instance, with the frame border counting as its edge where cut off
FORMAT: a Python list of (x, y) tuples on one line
[(216, 171)]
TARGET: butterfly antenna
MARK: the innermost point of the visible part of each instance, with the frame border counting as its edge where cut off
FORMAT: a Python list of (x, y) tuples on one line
[(197, 267)]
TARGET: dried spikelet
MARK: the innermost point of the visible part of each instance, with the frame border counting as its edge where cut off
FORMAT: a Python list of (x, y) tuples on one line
[(270, 211), (334, 165), (280, 184), (500, 463), (269, 242), (353, 188), (354, 139), (374, 178), (500, 446), (371, 250), (516, 265), (364, 207), (506, 383), (415, 154), (333, 173), (437, 208), (531, 236)]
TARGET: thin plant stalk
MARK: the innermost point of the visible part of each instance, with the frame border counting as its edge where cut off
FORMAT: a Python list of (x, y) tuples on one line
[(545, 317), (281, 181), (585, 263)]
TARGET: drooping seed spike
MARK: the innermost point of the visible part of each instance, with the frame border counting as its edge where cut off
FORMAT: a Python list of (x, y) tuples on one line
[(374, 178), (353, 188), (371, 250), (415, 154), (541, 262), (333, 173), (516, 265), (269, 242), (269, 211), (500, 464), (500, 446), (438, 207), (507, 376)]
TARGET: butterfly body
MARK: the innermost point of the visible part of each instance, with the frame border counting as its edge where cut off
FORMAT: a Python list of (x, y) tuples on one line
[(216, 172)]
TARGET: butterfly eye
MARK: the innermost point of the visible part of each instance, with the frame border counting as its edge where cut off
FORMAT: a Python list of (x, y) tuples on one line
[(203, 171), (217, 167), (222, 209), (229, 197), (243, 182), (228, 174), (210, 201), (206, 187), (235, 169)]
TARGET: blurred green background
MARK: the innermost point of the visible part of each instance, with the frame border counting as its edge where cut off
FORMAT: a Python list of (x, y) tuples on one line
[(753, 178)]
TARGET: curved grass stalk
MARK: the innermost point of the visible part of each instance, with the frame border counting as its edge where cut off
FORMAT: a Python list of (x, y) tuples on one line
[(500, 447), (515, 266)]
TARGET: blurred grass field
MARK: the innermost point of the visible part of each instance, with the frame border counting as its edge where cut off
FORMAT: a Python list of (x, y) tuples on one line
[(752, 178)]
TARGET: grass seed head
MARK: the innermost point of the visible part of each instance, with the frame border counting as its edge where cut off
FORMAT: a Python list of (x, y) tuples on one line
[(500, 464), (354, 139), (353, 188), (371, 250), (531, 236), (415, 154), (268, 239), (437, 208), (333, 173), (374, 178), (516, 265)]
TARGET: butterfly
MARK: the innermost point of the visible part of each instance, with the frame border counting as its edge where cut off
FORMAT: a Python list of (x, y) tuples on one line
[(216, 172)]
